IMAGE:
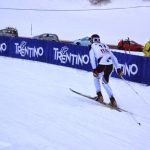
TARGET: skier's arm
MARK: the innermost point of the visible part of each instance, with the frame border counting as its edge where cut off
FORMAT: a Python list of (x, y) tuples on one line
[(92, 59), (114, 60), (116, 64), (93, 63)]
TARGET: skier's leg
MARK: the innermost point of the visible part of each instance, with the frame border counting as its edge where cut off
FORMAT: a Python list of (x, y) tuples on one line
[(107, 87), (98, 87), (97, 82), (100, 69), (105, 82)]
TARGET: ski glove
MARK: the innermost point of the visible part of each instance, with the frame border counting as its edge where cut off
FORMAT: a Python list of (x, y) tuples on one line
[(119, 72), (95, 73)]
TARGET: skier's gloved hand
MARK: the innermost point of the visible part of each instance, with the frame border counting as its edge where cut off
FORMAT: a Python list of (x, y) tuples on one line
[(119, 72), (95, 73)]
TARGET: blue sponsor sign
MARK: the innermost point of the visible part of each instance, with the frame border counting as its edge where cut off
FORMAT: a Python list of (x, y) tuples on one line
[(68, 55), (135, 68), (4, 45), (30, 49), (132, 66)]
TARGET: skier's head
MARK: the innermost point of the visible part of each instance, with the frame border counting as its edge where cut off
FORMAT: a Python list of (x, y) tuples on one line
[(95, 38)]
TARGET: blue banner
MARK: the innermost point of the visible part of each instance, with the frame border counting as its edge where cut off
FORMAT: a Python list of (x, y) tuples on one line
[(135, 68), (30, 49), (4, 45), (68, 55), (132, 66)]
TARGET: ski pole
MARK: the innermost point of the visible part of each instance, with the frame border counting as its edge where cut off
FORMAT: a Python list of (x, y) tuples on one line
[(133, 117), (134, 90), (129, 85)]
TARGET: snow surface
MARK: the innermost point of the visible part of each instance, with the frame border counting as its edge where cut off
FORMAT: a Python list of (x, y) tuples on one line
[(37, 109)]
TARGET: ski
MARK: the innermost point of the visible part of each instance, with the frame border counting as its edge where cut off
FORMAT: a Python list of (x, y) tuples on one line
[(132, 115), (103, 104)]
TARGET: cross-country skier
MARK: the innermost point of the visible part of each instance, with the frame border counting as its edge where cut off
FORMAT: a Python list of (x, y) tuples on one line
[(102, 62)]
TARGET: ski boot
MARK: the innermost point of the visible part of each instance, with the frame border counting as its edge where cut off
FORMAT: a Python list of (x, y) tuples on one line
[(113, 102), (99, 97)]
